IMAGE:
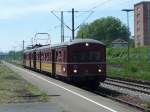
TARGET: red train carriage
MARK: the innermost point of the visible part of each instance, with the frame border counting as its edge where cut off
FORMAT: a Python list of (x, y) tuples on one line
[(45, 60), (26, 59), (82, 61), (30, 59)]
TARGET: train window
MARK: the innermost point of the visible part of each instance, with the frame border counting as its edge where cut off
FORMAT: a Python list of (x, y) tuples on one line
[(50, 56), (42, 57), (90, 56), (59, 56), (47, 58), (39, 56)]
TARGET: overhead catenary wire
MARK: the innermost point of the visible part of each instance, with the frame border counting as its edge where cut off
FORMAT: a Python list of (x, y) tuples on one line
[(94, 7), (92, 11), (85, 19), (98, 5), (60, 20)]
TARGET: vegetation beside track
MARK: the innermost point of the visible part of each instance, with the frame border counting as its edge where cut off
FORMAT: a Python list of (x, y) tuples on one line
[(14, 89), (138, 67)]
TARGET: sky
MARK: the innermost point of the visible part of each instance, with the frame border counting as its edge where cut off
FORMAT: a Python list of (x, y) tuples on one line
[(22, 19)]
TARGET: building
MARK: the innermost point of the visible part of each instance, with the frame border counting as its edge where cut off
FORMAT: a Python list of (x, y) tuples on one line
[(2, 56), (142, 23), (119, 43)]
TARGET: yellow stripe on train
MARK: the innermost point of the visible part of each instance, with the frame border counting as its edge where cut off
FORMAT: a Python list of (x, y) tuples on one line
[(38, 65), (58, 68), (27, 63), (46, 67)]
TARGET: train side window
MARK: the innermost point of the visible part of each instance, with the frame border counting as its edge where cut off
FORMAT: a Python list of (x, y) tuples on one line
[(37, 57), (45, 57), (59, 57), (41, 56), (64, 55), (50, 56)]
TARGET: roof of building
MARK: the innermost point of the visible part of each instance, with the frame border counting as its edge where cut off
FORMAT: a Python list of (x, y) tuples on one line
[(142, 2), (119, 41), (2, 54)]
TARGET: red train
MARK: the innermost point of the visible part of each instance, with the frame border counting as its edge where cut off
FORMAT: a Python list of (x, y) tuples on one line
[(82, 61)]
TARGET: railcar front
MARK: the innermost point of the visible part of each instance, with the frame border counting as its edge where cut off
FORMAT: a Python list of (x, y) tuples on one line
[(87, 62)]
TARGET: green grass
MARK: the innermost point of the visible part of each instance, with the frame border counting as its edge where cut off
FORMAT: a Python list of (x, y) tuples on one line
[(14, 89), (138, 68)]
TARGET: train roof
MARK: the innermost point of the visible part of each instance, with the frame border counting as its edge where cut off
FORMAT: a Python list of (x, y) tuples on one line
[(68, 43), (77, 41), (29, 50)]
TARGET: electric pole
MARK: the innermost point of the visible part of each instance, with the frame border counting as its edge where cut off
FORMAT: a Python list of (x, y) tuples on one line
[(23, 51), (127, 11), (73, 29), (62, 27), (23, 45), (72, 23)]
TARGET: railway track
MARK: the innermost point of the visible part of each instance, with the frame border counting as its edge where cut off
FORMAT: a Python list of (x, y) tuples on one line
[(135, 86), (132, 86), (112, 95)]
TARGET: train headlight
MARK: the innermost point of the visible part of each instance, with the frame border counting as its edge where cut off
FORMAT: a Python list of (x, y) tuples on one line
[(99, 70), (75, 71), (87, 44), (64, 69)]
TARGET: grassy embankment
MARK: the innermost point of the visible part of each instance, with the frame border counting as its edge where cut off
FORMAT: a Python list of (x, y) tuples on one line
[(14, 89), (138, 68)]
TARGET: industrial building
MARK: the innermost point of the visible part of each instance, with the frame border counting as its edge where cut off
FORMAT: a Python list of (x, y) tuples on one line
[(142, 23)]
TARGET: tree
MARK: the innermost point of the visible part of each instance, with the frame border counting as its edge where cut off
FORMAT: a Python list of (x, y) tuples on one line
[(104, 29)]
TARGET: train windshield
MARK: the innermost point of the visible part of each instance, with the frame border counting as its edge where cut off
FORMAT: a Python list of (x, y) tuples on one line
[(89, 56)]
